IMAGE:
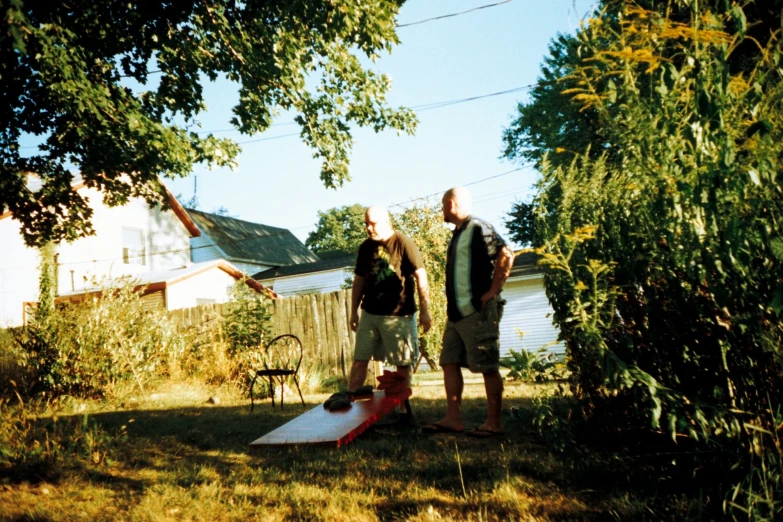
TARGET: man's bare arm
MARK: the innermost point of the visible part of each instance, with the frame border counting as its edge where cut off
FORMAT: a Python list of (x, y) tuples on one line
[(357, 292), (502, 269), (423, 287)]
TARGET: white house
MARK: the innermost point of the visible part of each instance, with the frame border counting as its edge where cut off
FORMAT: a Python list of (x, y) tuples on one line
[(527, 318), (145, 243), (326, 275), (183, 287), (251, 247)]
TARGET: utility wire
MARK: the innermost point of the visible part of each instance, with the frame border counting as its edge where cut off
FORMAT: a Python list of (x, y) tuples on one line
[(452, 14), (441, 17), (418, 108), (285, 231)]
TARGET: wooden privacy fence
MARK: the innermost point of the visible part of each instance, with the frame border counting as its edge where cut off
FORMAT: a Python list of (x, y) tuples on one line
[(320, 321)]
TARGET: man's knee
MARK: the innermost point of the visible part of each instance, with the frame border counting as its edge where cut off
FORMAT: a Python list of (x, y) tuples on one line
[(360, 365)]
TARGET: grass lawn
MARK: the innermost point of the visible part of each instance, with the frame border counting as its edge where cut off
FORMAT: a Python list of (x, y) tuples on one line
[(173, 456)]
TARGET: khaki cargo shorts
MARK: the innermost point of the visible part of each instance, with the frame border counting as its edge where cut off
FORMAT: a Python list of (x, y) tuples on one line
[(389, 338), (474, 341)]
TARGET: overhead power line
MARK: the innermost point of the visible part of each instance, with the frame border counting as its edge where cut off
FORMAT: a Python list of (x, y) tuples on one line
[(441, 17), (288, 230)]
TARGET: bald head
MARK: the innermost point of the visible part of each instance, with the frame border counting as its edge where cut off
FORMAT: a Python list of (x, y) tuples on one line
[(457, 205), (377, 223)]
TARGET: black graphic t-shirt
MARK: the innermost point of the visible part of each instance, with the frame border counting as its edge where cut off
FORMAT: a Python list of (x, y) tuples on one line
[(387, 268)]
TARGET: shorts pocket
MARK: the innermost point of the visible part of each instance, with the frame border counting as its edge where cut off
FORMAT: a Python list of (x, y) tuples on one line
[(488, 328)]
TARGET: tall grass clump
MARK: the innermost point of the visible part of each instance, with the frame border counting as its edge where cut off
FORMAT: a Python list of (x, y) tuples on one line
[(89, 347), (665, 244)]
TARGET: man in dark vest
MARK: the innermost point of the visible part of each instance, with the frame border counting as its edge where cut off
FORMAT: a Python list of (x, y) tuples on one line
[(477, 266)]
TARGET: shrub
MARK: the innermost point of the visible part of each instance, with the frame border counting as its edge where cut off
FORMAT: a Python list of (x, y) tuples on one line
[(538, 366)]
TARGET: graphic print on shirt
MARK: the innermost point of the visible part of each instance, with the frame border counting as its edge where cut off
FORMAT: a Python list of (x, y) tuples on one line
[(380, 266)]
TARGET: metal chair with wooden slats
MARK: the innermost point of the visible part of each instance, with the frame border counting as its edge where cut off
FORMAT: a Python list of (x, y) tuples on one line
[(282, 359)]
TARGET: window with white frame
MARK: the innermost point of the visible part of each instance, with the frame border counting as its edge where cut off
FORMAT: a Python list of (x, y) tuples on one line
[(134, 251)]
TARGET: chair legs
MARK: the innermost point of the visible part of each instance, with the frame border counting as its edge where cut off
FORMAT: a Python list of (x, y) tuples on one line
[(296, 381), (282, 391), (272, 391)]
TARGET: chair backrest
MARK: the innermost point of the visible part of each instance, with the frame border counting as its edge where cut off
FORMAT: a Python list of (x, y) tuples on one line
[(284, 352)]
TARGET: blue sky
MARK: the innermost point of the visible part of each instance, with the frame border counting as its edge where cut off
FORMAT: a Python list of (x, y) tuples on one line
[(477, 53)]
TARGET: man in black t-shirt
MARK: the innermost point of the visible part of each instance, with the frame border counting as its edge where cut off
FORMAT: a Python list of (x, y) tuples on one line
[(387, 264)]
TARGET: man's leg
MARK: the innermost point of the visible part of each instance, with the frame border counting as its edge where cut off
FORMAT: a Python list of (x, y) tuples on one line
[(406, 372), (358, 375), (452, 379), (368, 340), (493, 385), (452, 356)]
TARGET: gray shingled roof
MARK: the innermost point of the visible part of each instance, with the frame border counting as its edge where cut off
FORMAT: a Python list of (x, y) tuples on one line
[(252, 242), (347, 261), (526, 263)]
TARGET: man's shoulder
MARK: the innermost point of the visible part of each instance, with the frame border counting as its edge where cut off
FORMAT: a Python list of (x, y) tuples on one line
[(367, 243), (477, 221), (402, 237)]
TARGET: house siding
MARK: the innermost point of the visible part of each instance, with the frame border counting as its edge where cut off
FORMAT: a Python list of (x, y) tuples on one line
[(527, 311), (203, 249), (213, 284), (18, 274), (320, 282), (86, 261), (169, 240), (250, 268)]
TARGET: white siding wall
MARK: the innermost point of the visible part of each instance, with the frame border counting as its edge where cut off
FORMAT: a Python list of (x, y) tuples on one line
[(203, 249), (91, 258), (320, 282), (18, 273), (168, 239), (95, 257), (527, 311), (212, 284)]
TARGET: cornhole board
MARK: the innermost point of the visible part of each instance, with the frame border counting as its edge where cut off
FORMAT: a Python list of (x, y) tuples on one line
[(320, 426)]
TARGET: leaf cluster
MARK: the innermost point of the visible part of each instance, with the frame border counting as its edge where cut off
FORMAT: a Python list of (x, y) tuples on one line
[(114, 92), (667, 277), (338, 229)]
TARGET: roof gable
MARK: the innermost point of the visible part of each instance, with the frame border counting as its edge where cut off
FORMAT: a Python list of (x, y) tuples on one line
[(252, 242)]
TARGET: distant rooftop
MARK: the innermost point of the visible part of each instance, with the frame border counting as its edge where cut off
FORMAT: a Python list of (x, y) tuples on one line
[(333, 263), (526, 263), (252, 242)]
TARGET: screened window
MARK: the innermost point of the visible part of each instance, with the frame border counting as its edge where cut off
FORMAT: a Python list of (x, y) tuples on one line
[(133, 249)]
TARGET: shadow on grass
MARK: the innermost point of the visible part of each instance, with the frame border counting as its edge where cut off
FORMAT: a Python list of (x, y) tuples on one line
[(406, 471)]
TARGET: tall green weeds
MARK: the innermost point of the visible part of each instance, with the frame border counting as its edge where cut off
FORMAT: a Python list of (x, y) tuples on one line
[(666, 251)]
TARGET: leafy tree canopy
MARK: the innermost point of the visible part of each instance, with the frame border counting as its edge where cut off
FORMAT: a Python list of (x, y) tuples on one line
[(556, 124), (666, 249), (667, 274), (423, 223), (338, 229), (64, 72)]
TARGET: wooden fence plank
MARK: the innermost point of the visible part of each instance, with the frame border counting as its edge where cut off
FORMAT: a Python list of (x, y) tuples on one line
[(321, 321)]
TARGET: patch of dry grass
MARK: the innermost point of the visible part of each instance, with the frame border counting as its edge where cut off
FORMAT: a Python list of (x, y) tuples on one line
[(183, 459)]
